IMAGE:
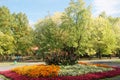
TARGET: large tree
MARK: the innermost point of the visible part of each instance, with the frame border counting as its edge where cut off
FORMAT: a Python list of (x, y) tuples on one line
[(22, 33), (115, 22), (76, 21), (104, 36), (6, 38), (48, 36)]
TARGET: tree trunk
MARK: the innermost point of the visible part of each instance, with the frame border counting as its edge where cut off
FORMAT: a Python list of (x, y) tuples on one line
[(0, 57), (100, 56), (90, 57), (43, 55), (119, 54), (110, 56)]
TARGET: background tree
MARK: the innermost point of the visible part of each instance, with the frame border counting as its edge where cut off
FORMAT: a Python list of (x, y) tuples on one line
[(69, 36), (6, 38), (48, 36), (21, 33), (104, 37), (115, 22), (76, 20)]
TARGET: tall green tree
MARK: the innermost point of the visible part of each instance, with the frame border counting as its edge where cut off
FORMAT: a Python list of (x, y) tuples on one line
[(21, 33), (6, 38), (76, 20), (104, 36), (115, 22), (48, 36), (5, 20)]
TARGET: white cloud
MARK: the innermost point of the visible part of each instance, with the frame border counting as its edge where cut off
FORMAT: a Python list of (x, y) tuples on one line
[(31, 23), (111, 7)]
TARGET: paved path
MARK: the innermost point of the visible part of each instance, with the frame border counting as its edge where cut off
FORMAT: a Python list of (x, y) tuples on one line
[(111, 62), (10, 66)]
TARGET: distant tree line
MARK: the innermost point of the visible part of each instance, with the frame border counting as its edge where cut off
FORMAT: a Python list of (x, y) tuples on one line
[(15, 34), (74, 31)]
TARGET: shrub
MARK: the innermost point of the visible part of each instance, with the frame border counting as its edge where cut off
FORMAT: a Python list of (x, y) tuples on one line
[(61, 58)]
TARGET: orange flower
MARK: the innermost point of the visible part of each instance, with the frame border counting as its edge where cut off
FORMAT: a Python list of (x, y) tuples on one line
[(38, 70), (103, 65), (84, 63), (99, 65)]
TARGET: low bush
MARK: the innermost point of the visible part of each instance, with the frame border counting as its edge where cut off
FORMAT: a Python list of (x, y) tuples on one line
[(61, 58)]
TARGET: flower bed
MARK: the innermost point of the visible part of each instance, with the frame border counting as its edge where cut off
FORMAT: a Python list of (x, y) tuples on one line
[(78, 69), (99, 65), (38, 70), (52, 72)]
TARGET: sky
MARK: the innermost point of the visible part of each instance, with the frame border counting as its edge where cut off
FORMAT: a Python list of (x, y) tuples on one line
[(37, 9)]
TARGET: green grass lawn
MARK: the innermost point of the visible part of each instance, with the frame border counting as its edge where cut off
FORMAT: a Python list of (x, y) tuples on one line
[(114, 78), (3, 77)]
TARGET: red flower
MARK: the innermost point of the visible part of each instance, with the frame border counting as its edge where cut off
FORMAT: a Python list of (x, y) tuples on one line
[(89, 76)]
